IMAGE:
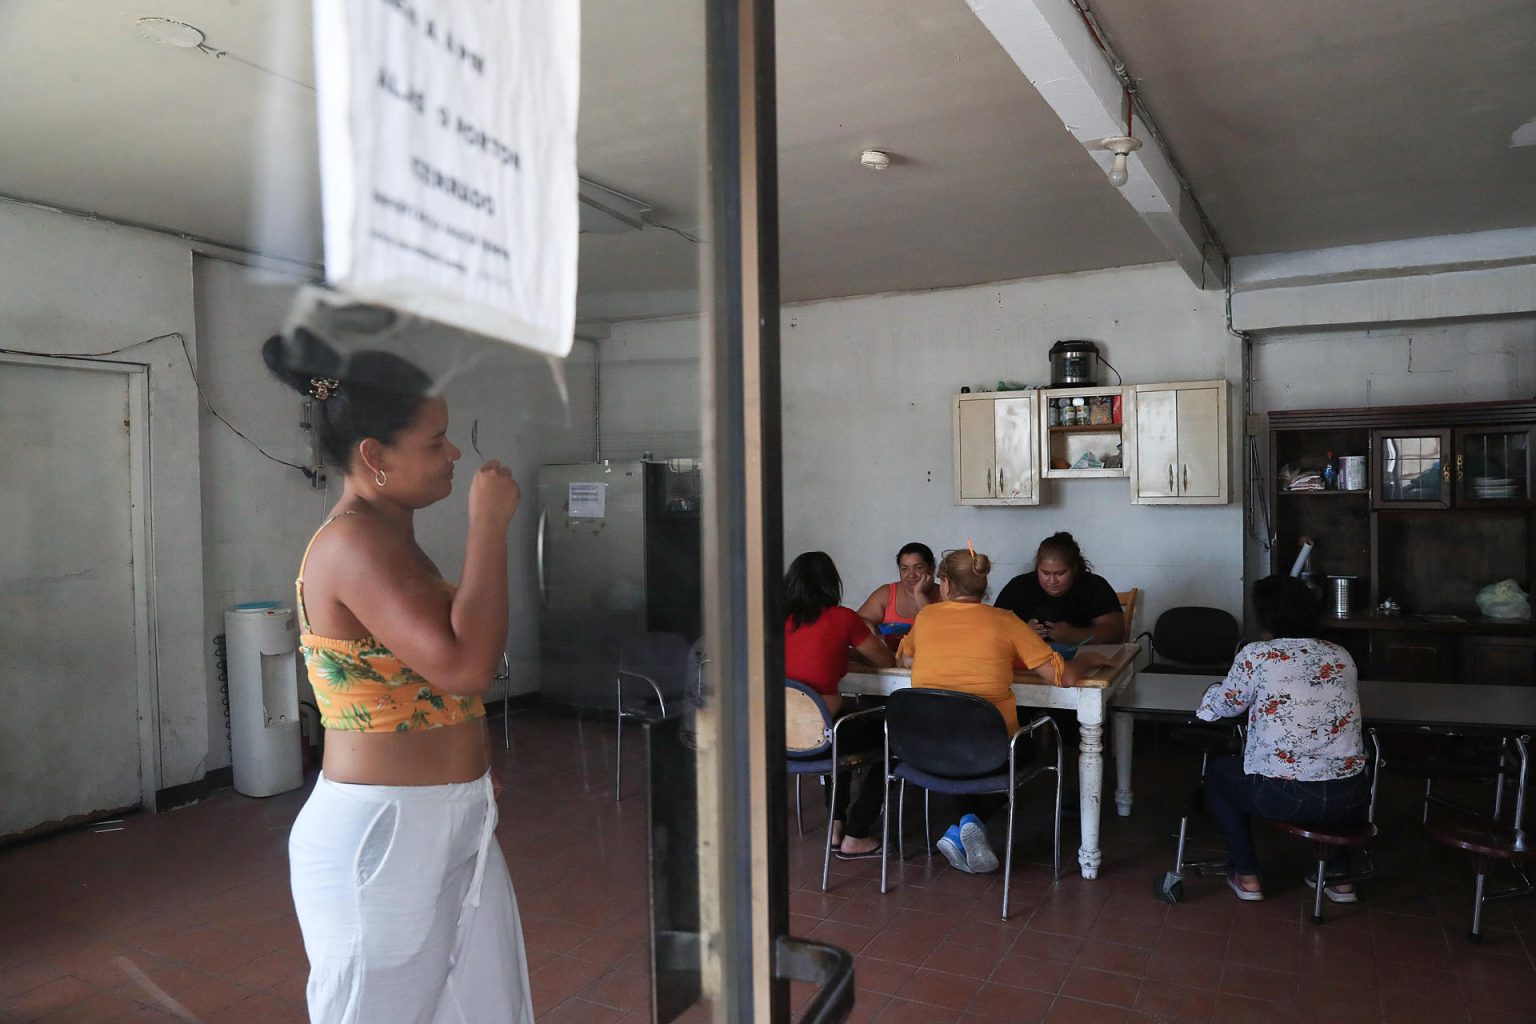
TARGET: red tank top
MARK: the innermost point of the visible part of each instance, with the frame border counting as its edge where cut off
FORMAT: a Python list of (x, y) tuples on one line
[(890, 609)]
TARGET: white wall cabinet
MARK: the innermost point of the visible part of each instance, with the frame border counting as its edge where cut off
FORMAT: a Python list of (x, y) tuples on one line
[(1179, 447), (996, 448)]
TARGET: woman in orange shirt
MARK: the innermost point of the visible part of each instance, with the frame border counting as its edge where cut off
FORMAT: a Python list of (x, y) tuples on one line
[(965, 645)]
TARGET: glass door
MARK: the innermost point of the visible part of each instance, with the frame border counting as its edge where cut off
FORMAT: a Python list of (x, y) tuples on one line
[(1493, 466), (1410, 469)]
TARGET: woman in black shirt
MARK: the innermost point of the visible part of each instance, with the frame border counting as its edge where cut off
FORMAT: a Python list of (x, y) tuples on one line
[(1063, 599)]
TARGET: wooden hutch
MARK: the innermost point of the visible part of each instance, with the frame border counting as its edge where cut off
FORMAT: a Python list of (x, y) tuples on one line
[(1447, 507)]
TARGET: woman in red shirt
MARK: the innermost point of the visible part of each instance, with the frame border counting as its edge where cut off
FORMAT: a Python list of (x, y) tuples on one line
[(818, 632)]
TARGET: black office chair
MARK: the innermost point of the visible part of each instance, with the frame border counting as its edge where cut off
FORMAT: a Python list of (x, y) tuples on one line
[(659, 660), (956, 743), (1192, 639), (812, 741)]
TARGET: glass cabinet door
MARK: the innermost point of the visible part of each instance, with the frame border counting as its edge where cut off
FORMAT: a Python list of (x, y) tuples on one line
[(1493, 464), (1411, 468)]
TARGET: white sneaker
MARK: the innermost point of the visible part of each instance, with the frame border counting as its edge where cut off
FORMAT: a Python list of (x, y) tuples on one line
[(978, 852)]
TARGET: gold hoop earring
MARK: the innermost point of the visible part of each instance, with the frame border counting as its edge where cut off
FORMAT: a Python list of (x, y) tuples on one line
[(379, 477)]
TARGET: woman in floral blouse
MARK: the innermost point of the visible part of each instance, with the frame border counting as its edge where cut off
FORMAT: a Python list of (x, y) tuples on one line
[(1305, 757)]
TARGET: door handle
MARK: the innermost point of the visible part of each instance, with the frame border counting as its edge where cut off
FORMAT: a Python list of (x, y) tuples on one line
[(1000, 489), (989, 481), (1458, 466), (818, 964), (538, 558), (1170, 478), (1186, 477)]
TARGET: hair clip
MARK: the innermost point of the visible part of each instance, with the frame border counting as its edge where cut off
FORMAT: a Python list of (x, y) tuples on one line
[(321, 388)]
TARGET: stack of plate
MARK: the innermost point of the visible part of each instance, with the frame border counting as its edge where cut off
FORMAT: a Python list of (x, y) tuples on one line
[(1497, 487)]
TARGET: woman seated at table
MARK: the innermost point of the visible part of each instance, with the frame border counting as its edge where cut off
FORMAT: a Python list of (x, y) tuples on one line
[(895, 605), (965, 645), (818, 633), (1062, 599), (1305, 759)]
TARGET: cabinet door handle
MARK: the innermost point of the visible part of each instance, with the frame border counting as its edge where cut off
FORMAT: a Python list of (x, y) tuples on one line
[(989, 482), (1186, 476), (1458, 466), (1000, 491), (1170, 478), (1445, 473)]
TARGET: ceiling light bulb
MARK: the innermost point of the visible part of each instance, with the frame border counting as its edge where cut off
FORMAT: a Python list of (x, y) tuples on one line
[(1118, 174), (875, 159), (1122, 146)]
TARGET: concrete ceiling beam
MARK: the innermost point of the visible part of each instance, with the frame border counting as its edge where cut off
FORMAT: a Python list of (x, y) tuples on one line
[(1055, 49), (1483, 273)]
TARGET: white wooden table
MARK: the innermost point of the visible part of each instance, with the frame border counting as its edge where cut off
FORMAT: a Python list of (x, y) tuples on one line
[(1088, 701)]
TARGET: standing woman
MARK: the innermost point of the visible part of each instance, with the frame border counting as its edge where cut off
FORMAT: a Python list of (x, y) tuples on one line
[(403, 897), (897, 604), (1062, 599)]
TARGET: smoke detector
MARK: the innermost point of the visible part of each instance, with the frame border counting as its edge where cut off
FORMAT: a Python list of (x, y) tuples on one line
[(875, 159), (170, 32)]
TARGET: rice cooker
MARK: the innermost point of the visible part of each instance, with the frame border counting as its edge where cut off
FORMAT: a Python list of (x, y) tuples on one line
[(1074, 364)]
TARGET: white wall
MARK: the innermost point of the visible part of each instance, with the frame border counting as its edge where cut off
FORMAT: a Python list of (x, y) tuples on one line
[(74, 287), (867, 384)]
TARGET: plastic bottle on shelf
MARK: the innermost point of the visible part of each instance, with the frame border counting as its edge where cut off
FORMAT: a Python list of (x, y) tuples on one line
[(1331, 473)]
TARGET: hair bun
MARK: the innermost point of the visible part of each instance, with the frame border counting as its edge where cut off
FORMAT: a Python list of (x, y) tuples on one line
[(981, 564), (298, 359)]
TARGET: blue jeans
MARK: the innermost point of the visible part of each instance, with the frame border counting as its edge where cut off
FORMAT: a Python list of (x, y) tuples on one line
[(1234, 798)]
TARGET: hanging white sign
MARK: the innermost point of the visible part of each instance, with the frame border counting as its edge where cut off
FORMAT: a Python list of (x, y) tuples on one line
[(448, 160)]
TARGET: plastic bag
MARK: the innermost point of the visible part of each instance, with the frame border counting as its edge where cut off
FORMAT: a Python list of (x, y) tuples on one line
[(1504, 600)]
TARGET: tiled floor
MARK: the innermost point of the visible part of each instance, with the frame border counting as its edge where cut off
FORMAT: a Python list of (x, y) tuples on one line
[(190, 909)]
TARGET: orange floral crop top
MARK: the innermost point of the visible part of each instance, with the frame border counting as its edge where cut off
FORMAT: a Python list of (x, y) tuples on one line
[(360, 686)]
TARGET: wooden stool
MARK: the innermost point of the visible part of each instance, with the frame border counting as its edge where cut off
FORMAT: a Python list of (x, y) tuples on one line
[(1356, 838)]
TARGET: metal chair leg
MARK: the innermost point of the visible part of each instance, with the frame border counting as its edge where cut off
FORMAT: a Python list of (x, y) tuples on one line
[(1056, 848), (1322, 883), (1477, 903), (826, 848), (799, 819), (1424, 817), (885, 819), (901, 820), (1008, 849), (618, 757), (928, 821)]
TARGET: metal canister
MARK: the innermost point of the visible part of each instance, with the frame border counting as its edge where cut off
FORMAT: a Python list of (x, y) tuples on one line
[(1341, 593)]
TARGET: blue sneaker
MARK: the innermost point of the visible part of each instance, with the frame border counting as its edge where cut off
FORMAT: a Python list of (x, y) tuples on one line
[(953, 849), (978, 852)]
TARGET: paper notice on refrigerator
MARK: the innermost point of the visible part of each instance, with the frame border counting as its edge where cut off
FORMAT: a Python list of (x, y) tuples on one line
[(448, 160), (587, 501)]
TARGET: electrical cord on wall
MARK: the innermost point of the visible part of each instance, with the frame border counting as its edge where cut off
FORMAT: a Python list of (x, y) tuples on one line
[(186, 354), (1119, 381)]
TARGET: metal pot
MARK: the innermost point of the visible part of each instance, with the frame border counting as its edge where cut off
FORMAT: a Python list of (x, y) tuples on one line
[(1074, 364)]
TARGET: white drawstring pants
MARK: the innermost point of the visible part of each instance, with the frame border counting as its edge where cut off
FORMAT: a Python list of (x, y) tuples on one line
[(406, 906)]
